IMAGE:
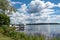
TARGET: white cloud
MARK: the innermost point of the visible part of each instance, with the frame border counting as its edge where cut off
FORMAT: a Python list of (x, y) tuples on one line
[(23, 8), (16, 3), (58, 4), (54, 19), (36, 11), (49, 5), (47, 11), (13, 2), (35, 6), (17, 17)]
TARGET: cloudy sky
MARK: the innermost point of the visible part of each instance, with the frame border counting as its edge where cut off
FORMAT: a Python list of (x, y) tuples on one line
[(35, 11)]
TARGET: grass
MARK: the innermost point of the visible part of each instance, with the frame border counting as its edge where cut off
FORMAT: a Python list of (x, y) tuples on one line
[(3, 37)]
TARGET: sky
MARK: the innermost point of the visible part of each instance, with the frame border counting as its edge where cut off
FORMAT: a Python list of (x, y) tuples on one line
[(35, 11)]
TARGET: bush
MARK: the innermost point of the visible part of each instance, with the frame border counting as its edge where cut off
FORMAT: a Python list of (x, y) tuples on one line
[(4, 19), (1, 30), (10, 32)]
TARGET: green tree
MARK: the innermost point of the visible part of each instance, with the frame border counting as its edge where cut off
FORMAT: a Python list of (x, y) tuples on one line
[(4, 19), (5, 5)]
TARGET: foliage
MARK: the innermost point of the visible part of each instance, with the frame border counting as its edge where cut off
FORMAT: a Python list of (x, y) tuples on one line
[(1, 30), (3, 37), (4, 19), (56, 38), (10, 32), (5, 5), (20, 35)]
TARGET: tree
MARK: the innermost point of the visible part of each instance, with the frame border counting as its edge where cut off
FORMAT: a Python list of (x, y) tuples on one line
[(5, 5), (4, 19)]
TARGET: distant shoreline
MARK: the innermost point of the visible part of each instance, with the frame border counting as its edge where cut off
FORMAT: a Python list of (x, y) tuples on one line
[(43, 24)]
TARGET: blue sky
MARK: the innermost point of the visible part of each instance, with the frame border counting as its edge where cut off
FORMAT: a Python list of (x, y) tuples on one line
[(53, 1), (22, 1), (36, 11), (28, 1)]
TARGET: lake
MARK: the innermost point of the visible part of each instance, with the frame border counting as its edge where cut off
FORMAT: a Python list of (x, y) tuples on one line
[(43, 29)]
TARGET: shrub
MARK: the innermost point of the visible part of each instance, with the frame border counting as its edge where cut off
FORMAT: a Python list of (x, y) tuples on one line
[(10, 32), (4, 19), (1, 30)]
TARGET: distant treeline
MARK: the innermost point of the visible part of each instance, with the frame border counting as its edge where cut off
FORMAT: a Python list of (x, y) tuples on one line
[(43, 24)]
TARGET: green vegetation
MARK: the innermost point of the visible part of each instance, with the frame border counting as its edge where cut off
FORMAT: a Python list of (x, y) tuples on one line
[(5, 6), (10, 33), (3, 37), (4, 19), (56, 38)]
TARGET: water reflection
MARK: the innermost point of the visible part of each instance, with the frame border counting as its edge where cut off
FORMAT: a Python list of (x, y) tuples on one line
[(44, 29)]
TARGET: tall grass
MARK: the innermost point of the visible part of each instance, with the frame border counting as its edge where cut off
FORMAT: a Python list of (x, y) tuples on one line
[(10, 32)]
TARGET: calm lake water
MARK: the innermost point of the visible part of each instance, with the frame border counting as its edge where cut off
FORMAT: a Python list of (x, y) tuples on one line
[(44, 29)]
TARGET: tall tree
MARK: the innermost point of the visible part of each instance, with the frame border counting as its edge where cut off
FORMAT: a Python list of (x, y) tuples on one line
[(5, 5)]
